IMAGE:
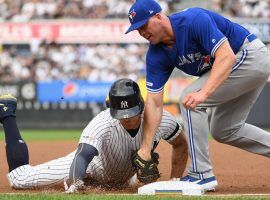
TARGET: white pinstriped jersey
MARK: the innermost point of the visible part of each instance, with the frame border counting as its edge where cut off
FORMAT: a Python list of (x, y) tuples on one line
[(112, 165), (115, 146)]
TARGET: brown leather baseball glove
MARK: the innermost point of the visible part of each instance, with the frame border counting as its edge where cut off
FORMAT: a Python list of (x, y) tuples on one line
[(147, 171)]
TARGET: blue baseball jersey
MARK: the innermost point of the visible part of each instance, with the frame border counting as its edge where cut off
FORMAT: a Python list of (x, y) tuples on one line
[(198, 34)]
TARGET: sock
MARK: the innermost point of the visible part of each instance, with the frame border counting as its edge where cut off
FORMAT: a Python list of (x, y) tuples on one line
[(12, 132), (17, 154), (16, 148)]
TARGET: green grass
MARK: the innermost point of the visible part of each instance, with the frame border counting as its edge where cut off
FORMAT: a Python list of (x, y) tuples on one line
[(47, 135)]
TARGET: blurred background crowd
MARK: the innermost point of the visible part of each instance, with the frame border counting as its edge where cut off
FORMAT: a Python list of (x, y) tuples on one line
[(92, 62), (25, 10), (54, 61), (243, 8)]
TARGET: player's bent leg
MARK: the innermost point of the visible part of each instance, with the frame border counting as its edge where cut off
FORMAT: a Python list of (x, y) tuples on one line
[(16, 148), (246, 78), (46, 174), (228, 125)]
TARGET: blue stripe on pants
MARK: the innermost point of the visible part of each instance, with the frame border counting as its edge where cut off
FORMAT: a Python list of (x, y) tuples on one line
[(191, 142)]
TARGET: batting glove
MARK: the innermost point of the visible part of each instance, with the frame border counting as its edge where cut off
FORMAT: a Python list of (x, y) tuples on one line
[(75, 187)]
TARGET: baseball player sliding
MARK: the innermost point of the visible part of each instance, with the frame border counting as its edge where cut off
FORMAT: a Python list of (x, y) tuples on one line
[(105, 148)]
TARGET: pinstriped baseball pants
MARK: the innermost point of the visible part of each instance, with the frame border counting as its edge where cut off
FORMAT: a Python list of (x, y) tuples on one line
[(224, 113)]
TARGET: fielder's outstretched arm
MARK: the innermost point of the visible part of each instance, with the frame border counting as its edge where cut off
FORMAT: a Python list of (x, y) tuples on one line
[(152, 118)]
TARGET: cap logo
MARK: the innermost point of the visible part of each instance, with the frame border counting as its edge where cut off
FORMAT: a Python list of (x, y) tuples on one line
[(151, 11), (132, 15), (124, 104)]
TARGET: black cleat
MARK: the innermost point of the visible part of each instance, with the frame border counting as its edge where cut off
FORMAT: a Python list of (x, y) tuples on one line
[(8, 105)]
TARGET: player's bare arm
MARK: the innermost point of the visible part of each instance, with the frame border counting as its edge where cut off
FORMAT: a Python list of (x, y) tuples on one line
[(179, 155), (152, 117), (222, 67)]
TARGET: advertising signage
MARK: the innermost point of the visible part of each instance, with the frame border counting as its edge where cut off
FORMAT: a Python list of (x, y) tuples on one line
[(95, 31), (73, 91)]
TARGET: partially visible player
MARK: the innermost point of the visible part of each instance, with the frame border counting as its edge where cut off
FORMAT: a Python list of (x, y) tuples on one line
[(105, 147), (233, 66)]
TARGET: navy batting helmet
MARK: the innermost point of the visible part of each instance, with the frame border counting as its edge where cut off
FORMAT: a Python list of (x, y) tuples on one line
[(125, 99)]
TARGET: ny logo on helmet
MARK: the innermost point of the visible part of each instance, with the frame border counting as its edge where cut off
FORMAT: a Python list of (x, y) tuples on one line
[(124, 104)]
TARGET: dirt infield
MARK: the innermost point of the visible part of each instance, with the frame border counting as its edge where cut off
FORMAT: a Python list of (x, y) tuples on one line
[(238, 172)]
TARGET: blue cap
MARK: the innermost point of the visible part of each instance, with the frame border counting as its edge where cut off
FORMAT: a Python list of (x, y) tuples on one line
[(140, 12)]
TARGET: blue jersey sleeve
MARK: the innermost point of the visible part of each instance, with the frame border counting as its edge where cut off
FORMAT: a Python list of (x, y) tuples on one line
[(158, 69), (205, 31)]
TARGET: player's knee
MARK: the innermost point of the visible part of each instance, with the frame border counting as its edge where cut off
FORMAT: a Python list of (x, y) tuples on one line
[(218, 137), (223, 135), (218, 133)]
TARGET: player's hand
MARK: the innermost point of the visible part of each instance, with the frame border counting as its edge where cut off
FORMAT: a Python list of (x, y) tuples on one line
[(75, 187), (191, 100)]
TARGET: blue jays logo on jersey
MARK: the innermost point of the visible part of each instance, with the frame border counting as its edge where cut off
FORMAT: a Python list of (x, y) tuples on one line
[(189, 58), (194, 63), (132, 15), (204, 64)]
